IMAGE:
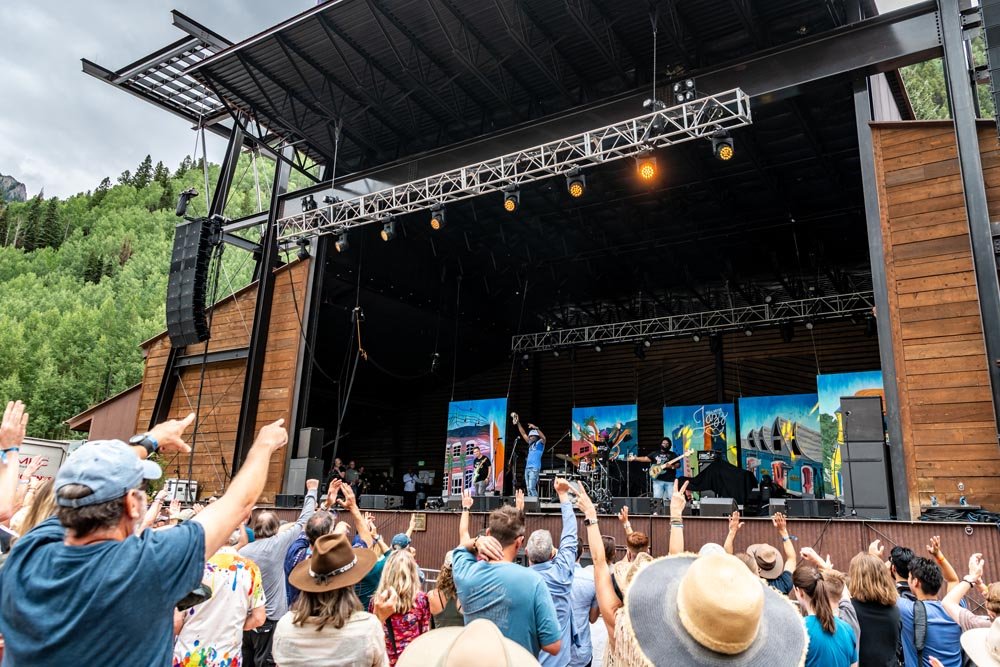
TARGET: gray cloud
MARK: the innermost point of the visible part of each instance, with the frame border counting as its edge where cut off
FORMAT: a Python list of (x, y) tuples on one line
[(64, 131)]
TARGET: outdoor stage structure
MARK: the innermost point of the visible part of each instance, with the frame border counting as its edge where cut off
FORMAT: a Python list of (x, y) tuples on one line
[(841, 237)]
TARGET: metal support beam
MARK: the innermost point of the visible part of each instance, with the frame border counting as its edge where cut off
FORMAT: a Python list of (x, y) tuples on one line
[(247, 425), (307, 341), (876, 253), (220, 357), (973, 186)]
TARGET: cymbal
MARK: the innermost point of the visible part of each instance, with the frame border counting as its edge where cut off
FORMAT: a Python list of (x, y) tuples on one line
[(567, 457)]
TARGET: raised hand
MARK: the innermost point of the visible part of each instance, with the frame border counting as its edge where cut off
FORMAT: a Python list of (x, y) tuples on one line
[(175, 507), (466, 499), (34, 465), (489, 549), (561, 486), (809, 554), (734, 522), (350, 502), (678, 501), (779, 522), (623, 514), (385, 604), (976, 566), (14, 425), (169, 435), (519, 500), (934, 548), (586, 505), (312, 484), (161, 495), (274, 435), (876, 549), (197, 507)]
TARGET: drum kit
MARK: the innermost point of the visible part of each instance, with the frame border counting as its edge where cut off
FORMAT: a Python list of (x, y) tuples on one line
[(591, 470)]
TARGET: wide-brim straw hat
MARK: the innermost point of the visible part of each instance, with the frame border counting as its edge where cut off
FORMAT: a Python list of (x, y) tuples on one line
[(982, 645), (333, 564), (716, 612), (770, 562), (479, 643)]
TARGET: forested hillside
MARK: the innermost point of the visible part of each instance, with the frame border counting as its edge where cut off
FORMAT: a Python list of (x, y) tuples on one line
[(83, 282)]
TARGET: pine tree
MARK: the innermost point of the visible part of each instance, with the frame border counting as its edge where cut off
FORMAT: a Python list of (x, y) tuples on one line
[(50, 233), (92, 269), (167, 198), (161, 174), (144, 174), (32, 227), (4, 224), (184, 167), (125, 178), (100, 191)]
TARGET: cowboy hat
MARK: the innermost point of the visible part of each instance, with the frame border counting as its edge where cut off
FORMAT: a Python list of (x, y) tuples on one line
[(982, 645), (769, 560), (333, 564), (723, 615), (478, 643)]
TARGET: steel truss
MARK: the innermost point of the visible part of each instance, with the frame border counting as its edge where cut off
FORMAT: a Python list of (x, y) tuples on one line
[(697, 119), (703, 323)]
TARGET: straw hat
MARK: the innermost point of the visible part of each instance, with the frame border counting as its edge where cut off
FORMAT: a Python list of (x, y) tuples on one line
[(333, 564), (769, 560), (722, 614), (478, 643), (982, 645)]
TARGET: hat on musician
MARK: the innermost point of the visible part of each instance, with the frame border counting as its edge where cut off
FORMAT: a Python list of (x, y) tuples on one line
[(534, 433)]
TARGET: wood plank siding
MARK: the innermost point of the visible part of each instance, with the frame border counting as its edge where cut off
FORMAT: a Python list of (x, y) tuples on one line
[(946, 410)]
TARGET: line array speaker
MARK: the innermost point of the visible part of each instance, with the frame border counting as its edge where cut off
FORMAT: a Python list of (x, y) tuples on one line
[(187, 323)]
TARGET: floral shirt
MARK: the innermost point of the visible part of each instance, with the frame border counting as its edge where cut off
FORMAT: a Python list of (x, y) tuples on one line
[(406, 627), (212, 635)]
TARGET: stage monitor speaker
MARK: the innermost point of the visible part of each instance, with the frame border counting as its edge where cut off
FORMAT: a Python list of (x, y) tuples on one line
[(380, 501), (184, 490), (486, 503), (289, 500), (823, 508), (310, 444), (187, 282), (717, 506), (867, 484), (453, 503), (777, 505), (636, 506), (299, 470)]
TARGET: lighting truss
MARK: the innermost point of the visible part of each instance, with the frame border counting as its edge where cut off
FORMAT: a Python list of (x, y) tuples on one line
[(703, 323), (697, 119)]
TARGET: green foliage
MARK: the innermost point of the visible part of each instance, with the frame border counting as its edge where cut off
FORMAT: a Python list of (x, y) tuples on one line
[(927, 89), (83, 283)]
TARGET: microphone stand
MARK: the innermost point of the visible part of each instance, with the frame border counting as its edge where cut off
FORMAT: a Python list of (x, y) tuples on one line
[(512, 463)]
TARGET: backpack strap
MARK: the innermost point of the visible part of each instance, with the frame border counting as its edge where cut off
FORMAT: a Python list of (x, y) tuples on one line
[(919, 630)]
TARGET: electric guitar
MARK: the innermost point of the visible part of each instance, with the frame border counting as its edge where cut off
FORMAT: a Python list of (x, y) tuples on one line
[(656, 469)]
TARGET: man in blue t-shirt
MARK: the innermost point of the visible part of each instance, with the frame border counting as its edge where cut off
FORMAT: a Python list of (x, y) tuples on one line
[(536, 446), (514, 598), (943, 634), (83, 588)]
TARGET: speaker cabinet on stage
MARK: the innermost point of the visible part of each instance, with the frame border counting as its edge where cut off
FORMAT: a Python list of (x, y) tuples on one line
[(486, 503), (822, 508), (187, 282), (777, 505), (289, 500), (184, 490), (299, 470), (717, 506), (636, 506), (382, 502), (310, 444), (867, 485)]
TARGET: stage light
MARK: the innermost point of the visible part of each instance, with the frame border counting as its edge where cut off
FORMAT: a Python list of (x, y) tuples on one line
[(768, 299), (309, 203), (722, 146), (511, 199), (646, 343), (684, 91), (646, 167), (388, 232), (576, 183), (437, 217), (341, 244), (303, 245), (329, 200), (555, 353), (597, 348), (809, 325), (748, 332), (525, 356), (696, 338)]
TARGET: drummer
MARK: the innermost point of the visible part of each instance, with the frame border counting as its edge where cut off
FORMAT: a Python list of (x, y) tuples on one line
[(663, 484)]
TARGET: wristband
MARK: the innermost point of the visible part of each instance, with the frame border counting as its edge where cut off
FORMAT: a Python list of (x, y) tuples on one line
[(676, 524), (972, 584), (3, 453)]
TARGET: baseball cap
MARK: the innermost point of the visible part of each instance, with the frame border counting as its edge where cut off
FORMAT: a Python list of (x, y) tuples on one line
[(400, 541), (534, 432), (109, 467)]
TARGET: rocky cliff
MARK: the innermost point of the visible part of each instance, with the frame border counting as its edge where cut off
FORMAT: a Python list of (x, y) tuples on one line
[(11, 189)]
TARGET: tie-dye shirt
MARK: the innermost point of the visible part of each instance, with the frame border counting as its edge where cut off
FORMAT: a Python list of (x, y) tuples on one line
[(212, 635)]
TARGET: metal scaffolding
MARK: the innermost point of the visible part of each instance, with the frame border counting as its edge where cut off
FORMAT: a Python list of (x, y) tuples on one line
[(703, 323), (697, 119)]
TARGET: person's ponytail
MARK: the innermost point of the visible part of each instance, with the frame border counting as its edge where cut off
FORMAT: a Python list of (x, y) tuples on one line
[(808, 579)]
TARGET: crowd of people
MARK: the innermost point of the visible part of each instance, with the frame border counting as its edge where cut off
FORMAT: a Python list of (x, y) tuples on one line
[(96, 574)]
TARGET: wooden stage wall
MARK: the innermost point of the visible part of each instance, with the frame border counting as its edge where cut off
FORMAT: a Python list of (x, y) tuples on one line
[(232, 322), (946, 410)]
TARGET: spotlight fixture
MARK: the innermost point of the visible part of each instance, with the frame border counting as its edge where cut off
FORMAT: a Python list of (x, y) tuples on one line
[(597, 348), (809, 325), (576, 183), (646, 343), (645, 166), (328, 200), (555, 353), (768, 298), (341, 243), (696, 338), (437, 217), (303, 245), (388, 232), (309, 203), (511, 199), (748, 332), (525, 356), (684, 91), (722, 145)]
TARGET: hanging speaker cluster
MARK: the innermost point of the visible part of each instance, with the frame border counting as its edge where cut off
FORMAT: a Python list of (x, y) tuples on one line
[(187, 281)]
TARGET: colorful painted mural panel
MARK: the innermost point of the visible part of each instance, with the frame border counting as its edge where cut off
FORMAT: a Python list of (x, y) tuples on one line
[(705, 427), (831, 388), (610, 428), (474, 424)]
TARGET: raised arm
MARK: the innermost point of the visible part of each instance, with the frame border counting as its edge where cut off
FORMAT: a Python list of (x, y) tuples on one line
[(786, 541), (566, 555), (410, 528), (153, 511), (678, 502), (607, 599), (734, 527), (952, 602), (12, 430), (950, 576), (623, 519), (463, 523), (351, 505), (222, 517), (541, 435), (524, 434)]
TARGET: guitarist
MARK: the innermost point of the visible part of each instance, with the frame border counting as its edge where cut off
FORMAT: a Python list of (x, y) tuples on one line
[(663, 484), (536, 446), (481, 472)]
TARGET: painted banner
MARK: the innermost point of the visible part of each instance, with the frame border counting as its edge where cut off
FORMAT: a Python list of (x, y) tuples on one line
[(831, 388), (780, 438), (474, 424), (614, 427), (710, 426)]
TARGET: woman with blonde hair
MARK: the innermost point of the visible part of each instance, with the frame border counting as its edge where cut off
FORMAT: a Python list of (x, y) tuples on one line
[(873, 595), (40, 505), (444, 604), (410, 616)]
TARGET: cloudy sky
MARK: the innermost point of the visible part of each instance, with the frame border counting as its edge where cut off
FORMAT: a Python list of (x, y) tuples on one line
[(62, 130)]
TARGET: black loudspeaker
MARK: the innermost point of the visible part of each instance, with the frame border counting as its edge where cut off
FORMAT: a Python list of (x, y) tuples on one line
[(811, 507), (187, 323), (289, 500), (776, 505), (488, 503), (717, 506), (867, 484), (382, 502), (636, 506), (299, 470), (310, 445)]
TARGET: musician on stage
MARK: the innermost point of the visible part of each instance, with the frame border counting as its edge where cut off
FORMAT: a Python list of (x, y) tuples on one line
[(481, 472), (536, 447), (663, 484)]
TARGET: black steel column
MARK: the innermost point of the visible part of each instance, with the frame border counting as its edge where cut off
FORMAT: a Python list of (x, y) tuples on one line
[(876, 254), (307, 340), (168, 382), (247, 426), (971, 168)]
